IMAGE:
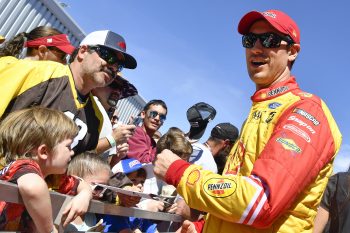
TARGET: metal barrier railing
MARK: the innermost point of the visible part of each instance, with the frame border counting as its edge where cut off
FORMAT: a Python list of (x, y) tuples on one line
[(9, 193)]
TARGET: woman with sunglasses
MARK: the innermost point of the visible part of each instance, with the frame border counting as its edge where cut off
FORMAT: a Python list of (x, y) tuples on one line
[(276, 172), (41, 43)]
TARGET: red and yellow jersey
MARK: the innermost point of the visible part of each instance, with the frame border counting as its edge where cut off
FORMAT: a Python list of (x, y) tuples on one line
[(13, 216), (276, 172), (26, 83)]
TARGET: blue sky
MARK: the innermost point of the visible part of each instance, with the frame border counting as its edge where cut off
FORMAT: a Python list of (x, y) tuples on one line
[(190, 51)]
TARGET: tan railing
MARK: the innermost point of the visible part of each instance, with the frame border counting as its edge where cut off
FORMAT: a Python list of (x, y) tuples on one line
[(9, 193)]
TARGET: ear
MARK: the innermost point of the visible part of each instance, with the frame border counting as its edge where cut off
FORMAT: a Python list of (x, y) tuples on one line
[(293, 52), (42, 52), (42, 152), (225, 143), (82, 51), (143, 114)]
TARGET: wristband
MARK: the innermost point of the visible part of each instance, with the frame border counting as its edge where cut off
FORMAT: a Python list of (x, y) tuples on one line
[(111, 140)]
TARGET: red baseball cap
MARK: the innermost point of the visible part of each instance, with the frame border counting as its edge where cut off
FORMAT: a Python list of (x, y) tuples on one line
[(60, 41), (278, 19)]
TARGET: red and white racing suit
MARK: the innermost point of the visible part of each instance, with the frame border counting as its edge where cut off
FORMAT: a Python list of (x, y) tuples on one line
[(276, 172)]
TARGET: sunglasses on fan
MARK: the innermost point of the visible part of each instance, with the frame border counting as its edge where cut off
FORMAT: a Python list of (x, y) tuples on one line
[(109, 56), (99, 190), (267, 40), (154, 114)]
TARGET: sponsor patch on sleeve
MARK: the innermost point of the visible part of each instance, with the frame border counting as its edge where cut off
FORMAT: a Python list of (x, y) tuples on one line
[(193, 177), (220, 187), (307, 115), (289, 144), (296, 130), (274, 105)]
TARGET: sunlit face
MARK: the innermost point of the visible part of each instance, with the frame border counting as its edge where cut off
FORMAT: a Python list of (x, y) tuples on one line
[(60, 156), (100, 177), (137, 181), (108, 96), (96, 71), (153, 124), (267, 65)]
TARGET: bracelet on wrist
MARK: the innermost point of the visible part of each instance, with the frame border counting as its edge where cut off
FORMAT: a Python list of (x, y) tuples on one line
[(111, 140)]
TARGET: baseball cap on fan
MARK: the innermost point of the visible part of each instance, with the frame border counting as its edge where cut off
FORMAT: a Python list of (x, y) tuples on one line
[(277, 19), (122, 89), (113, 41), (225, 131), (126, 88), (60, 41), (127, 166), (199, 116)]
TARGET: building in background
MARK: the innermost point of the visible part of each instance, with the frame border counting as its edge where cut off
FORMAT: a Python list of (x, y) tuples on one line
[(24, 15)]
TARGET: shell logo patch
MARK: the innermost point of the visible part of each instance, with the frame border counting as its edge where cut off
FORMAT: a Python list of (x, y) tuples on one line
[(193, 177), (220, 187)]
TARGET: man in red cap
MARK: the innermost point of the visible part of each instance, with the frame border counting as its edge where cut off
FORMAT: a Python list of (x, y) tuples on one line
[(276, 172)]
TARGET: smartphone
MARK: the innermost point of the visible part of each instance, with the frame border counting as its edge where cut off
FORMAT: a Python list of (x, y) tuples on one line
[(137, 121)]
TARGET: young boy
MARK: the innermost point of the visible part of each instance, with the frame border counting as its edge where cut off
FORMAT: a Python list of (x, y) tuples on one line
[(92, 169), (129, 172), (35, 143)]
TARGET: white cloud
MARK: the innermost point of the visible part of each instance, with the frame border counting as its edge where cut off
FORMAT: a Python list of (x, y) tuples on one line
[(342, 160)]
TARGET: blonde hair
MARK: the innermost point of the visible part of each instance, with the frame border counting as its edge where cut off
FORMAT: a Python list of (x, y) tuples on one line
[(87, 164), (24, 130), (175, 141)]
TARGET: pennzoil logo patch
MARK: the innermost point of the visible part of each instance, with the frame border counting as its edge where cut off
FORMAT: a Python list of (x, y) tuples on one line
[(220, 187), (289, 144), (193, 177)]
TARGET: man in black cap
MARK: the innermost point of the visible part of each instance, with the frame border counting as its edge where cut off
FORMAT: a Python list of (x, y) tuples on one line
[(222, 137)]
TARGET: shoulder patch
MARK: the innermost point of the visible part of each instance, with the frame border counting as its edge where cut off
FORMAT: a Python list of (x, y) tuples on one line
[(274, 105), (289, 144), (193, 177)]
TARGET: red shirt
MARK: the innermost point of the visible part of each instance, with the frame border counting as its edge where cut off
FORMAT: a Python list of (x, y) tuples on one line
[(141, 146)]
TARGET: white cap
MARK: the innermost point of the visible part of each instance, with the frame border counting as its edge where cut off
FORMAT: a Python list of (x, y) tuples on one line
[(113, 41)]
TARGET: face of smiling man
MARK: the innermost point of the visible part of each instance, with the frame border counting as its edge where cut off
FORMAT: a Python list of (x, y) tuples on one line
[(267, 66)]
